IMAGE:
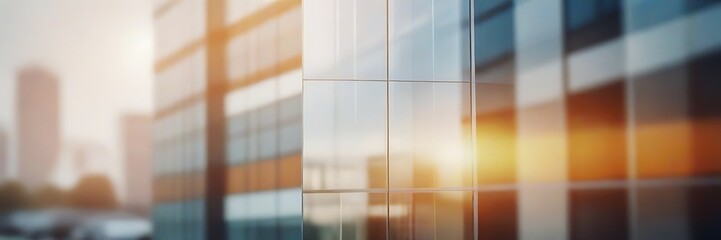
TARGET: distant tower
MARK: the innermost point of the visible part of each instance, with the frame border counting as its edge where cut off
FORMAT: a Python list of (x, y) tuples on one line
[(138, 155), (38, 121), (3, 155)]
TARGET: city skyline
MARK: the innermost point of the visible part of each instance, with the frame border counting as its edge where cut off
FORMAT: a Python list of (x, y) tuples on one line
[(104, 66)]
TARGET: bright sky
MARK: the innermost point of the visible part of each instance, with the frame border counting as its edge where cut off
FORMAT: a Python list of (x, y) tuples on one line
[(101, 50)]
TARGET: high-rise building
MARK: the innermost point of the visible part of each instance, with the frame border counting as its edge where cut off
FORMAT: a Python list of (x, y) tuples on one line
[(38, 125), (453, 119), (138, 155), (3, 155), (503, 119), (228, 122)]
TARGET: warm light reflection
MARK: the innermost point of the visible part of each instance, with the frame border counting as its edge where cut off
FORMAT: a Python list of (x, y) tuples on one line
[(591, 119)]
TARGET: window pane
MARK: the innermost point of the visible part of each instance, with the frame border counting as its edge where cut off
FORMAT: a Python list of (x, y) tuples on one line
[(446, 215), (429, 40), (347, 39), (429, 135), (344, 134), (359, 216), (497, 215), (599, 213)]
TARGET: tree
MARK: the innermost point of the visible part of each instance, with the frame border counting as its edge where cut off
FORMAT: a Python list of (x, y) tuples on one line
[(93, 192), (12, 197), (49, 196)]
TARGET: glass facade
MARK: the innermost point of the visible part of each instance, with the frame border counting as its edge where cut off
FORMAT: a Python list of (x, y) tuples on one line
[(180, 121), (437, 119), (503, 119), (228, 119), (263, 112)]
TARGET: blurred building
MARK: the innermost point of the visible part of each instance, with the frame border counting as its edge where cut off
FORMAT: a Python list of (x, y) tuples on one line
[(38, 125), (502, 119), (227, 124), (3, 155), (138, 155)]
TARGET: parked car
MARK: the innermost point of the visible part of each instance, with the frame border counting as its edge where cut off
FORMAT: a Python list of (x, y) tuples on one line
[(113, 226)]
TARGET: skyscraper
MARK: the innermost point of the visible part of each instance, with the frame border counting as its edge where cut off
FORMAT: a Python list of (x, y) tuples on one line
[(453, 119), (138, 152), (38, 125), (503, 119), (3, 155)]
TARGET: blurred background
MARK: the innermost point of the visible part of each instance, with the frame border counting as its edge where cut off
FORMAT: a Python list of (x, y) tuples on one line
[(75, 118)]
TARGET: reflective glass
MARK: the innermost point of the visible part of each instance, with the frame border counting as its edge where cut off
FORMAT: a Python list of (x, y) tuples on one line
[(592, 119), (599, 213), (597, 134), (429, 40), (495, 133), (344, 134), (264, 215), (431, 215), (347, 39), (494, 41), (429, 132), (497, 215), (592, 22), (662, 212), (538, 94), (597, 114), (360, 216), (654, 125), (645, 13)]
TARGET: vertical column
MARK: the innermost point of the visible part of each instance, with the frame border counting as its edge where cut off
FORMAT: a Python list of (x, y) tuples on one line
[(215, 114)]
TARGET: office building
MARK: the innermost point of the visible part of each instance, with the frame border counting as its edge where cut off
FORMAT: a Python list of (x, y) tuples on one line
[(3, 155), (502, 119), (138, 154), (38, 125), (227, 123), (453, 119)]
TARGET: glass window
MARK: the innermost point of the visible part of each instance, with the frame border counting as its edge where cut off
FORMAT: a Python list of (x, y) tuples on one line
[(599, 213), (597, 133), (648, 13), (429, 40), (289, 39), (291, 108), (268, 143), (237, 149), (494, 38), (495, 133), (704, 98), (660, 109), (662, 212), (344, 133), (704, 210), (429, 132), (291, 140), (360, 216), (497, 215), (347, 39), (591, 22), (431, 215), (183, 23)]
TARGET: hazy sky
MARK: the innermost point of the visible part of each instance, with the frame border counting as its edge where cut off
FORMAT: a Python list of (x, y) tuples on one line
[(101, 50)]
